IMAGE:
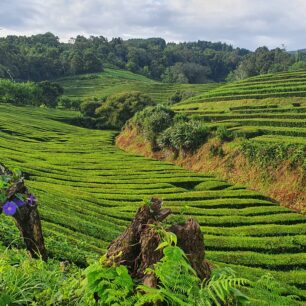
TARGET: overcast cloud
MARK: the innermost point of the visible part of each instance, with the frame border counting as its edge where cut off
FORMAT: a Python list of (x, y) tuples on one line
[(243, 23)]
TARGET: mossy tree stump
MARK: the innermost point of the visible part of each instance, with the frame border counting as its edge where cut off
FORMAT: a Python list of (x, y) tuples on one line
[(136, 246), (27, 217)]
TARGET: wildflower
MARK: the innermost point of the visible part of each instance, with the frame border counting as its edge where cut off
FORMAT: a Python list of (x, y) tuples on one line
[(18, 202), (31, 200), (9, 208)]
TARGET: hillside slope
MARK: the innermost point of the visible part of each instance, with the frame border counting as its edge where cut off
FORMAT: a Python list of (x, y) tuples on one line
[(285, 84), (271, 117), (88, 191), (113, 81)]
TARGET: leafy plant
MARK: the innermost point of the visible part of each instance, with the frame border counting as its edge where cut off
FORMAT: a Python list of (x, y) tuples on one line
[(110, 285), (184, 136), (223, 133)]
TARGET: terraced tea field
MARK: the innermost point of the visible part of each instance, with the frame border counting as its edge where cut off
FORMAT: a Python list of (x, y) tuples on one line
[(266, 118), (286, 84), (113, 81), (88, 191)]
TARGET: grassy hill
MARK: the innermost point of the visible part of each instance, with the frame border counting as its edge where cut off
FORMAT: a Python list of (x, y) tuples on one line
[(88, 191), (113, 81), (269, 108)]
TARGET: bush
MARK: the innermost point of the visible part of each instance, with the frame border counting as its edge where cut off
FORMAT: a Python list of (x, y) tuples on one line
[(180, 95), (184, 136), (20, 93), (223, 133), (88, 109), (152, 121), (216, 151), (50, 93), (67, 103), (119, 108), (266, 154)]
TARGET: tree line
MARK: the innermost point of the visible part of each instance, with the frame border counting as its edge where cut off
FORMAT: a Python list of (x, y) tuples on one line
[(44, 57)]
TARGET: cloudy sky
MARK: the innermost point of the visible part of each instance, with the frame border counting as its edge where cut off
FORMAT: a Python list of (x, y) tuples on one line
[(243, 23)]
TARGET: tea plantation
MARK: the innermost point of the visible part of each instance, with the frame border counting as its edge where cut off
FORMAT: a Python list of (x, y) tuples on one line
[(113, 81), (89, 190), (268, 108)]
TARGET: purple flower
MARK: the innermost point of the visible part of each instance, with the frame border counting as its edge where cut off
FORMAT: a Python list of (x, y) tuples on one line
[(31, 200), (18, 202), (9, 208)]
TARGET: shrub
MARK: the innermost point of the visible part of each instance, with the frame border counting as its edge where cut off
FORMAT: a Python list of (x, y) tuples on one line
[(266, 154), (88, 108), (184, 136), (67, 103), (119, 108), (180, 95), (50, 92), (20, 93), (152, 121), (223, 133), (216, 151)]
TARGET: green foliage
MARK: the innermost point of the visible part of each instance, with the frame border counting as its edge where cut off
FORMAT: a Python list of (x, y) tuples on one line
[(50, 93), (187, 73), (271, 154), (300, 65), (29, 93), (117, 109), (185, 136), (19, 93), (152, 121), (215, 150), (223, 133), (111, 285), (67, 103), (263, 61), (43, 56), (266, 291), (88, 108), (24, 281), (178, 282), (180, 95)]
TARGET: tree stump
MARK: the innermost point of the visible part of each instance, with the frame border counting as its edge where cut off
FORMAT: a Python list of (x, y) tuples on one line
[(27, 218), (136, 246)]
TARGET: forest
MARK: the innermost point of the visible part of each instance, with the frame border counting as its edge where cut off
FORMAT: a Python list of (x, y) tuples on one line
[(44, 57)]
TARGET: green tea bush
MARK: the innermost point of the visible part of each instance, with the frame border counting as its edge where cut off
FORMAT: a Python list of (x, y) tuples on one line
[(185, 136)]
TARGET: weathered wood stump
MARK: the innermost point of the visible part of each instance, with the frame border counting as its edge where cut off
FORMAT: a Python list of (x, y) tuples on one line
[(136, 246), (27, 218)]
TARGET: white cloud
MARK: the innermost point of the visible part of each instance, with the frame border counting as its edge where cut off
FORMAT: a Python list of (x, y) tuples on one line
[(244, 23)]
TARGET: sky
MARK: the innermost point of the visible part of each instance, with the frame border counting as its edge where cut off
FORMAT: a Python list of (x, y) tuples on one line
[(242, 23)]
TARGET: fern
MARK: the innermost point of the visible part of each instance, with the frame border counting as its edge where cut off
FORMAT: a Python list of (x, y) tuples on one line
[(268, 292), (179, 284), (112, 285), (222, 287)]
